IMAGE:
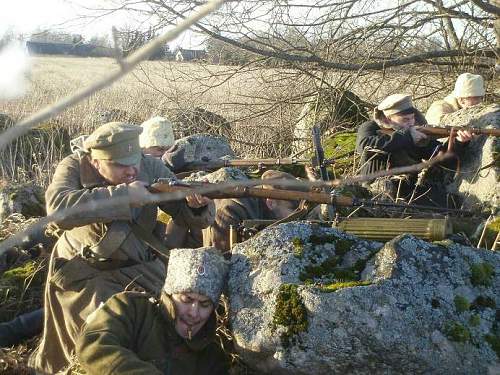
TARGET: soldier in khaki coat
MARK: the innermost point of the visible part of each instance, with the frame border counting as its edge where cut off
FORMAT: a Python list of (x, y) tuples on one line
[(135, 334), (104, 250), (469, 91)]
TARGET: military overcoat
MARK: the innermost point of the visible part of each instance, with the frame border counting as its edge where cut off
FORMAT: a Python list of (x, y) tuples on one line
[(98, 253)]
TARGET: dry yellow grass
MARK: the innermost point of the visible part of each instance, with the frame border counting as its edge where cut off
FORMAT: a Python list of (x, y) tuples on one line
[(262, 105)]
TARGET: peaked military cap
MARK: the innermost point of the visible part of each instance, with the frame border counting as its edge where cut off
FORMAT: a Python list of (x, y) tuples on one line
[(397, 103), (116, 141)]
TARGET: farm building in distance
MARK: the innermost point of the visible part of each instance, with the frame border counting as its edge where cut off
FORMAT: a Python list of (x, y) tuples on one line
[(58, 48), (190, 54)]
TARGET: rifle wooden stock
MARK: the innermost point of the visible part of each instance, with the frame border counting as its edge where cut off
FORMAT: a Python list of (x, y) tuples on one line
[(435, 131)]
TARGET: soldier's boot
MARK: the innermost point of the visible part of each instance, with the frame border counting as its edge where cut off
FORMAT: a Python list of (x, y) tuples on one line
[(21, 328)]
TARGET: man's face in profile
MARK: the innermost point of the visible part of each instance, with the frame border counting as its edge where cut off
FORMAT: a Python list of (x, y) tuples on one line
[(115, 173)]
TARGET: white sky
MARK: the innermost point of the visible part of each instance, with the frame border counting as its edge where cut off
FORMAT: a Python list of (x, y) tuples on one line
[(27, 16)]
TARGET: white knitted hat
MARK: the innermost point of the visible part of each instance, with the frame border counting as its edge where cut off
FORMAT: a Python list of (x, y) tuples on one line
[(200, 271), (157, 131), (469, 85)]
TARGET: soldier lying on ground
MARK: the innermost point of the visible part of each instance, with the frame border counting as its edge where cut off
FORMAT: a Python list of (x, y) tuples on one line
[(232, 211), (133, 333), (405, 146), (105, 250), (469, 91)]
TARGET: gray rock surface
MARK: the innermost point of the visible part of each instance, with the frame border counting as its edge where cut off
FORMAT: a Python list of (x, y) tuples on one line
[(197, 148), (426, 309), (221, 175), (479, 173)]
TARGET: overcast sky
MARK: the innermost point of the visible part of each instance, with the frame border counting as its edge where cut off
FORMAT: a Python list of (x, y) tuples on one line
[(27, 16)]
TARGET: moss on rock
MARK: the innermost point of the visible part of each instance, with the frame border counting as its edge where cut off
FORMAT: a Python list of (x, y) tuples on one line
[(482, 274), (337, 286), (483, 302), (291, 313), (461, 304), (494, 341), (457, 332), (298, 247)]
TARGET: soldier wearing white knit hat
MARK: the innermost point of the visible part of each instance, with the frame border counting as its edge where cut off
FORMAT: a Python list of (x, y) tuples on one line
[(469, 91), (157, 136), (174, 334)]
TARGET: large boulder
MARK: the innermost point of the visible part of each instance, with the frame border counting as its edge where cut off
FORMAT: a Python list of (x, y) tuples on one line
[(25, 199), (478, 180), (333, 110), (307, 299), (197, 148)]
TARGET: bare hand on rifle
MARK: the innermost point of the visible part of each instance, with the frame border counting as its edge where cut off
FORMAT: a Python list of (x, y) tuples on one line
[(197, 201), (464, 136), (138, 193)]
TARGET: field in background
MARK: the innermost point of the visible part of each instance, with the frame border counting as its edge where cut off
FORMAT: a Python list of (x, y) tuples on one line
[(262, 105)]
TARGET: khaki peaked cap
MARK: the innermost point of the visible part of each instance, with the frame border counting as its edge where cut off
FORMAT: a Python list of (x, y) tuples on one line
[(116, 141), (394, 104)]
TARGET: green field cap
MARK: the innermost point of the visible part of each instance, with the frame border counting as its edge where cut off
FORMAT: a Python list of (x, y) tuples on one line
[(116, 141)]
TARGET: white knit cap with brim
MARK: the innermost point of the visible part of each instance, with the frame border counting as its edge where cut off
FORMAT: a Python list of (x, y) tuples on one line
[(201, 271), (157, 131), (468, 85)]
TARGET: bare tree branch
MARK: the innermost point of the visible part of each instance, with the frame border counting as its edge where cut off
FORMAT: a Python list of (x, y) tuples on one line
[(127, 66)]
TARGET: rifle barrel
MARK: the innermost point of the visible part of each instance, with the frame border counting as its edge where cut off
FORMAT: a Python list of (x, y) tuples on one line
[(216, 164), (293, 195), (444, 131)]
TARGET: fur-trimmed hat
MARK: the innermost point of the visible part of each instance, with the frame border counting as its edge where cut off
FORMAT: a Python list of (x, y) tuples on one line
[(201, 271), (116, 141), (157, 131), (468, 85)]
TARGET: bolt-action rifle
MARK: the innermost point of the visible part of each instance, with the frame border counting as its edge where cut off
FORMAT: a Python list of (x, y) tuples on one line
[(441, 132), (241, 163), (223, 192)]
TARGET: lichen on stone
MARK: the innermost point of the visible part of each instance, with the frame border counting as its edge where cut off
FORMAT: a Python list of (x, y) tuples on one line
[(291, 313), (482, 274)]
